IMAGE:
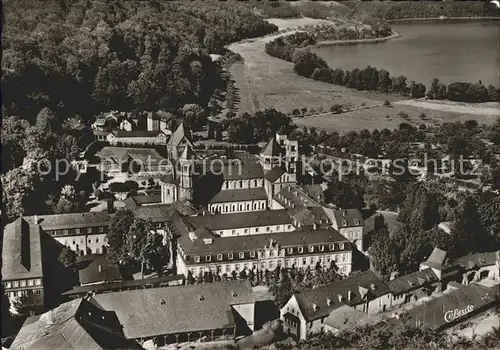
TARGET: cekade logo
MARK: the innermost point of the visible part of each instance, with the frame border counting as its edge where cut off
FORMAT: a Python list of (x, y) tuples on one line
[(453, 315)]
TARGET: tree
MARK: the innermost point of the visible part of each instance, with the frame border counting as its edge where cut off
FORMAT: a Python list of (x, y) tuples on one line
[(437, 90), (194, 115), (67, 257), (117, 236), (420, 209)]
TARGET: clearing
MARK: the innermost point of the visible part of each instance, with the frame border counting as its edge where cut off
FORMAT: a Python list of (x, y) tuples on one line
[(269, 82)]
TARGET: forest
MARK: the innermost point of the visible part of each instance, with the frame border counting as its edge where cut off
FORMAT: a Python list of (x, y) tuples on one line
[(82, 57), (293, 48)]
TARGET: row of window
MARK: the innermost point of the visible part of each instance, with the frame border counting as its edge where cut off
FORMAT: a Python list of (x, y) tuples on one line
[(89, 240), (20, 293), (240, 183), (271, 253), (24, 283), (99, 229), (271, 265), (257, 229), (224, 208)]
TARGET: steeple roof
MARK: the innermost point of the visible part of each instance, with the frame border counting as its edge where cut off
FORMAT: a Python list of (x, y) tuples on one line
[(178, 135), (187, 153), (272, 148)]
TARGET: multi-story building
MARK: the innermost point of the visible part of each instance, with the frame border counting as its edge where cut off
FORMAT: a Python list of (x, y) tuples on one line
[(84, 233), (350, 224), (22, 264), (200, 250), (118, 137), (305, 313)]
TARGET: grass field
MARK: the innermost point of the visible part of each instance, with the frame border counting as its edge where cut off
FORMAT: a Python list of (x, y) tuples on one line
[(268, 82)]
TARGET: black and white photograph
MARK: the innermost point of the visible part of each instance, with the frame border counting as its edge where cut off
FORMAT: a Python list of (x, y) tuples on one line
[(259, 174)]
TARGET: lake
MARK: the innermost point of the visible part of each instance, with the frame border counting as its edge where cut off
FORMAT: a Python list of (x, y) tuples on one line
[(452, 52)]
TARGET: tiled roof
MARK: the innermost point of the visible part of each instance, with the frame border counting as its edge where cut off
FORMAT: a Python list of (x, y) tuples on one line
[(314, 191), (326, 298), (240, 220), (311, 215), (242, 170), (478, 260), (21, 254), (255, 242), (178, 135), (157, 311), (436, 259), (72, 220), (155, 212), (412, 281), (432, 313), (138, 133), (246, 194), (274, 174), (124, 284), (272, 149), (348, 218), (76, 324), (292, 197), (96, 268), (346, 317), (142, 154)]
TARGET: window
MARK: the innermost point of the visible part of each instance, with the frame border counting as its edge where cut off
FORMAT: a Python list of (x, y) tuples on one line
[(208, 258), (15, 284), (228, 268), (242, 255), (236, 267), (304, 261), (89, 229), (197, 259), (341, 245), (262, 266), (97, 251), (268, 229), (219, 257), (97, 240), (230, 256), (301, 249), (290, 250), (38, 281), (322, 248), (23, 283), (332, 246), (288, 226), (8, 285), (101, 229), (90, 240), (256, 229), (74, 242), (246, 230), (344, 257), (81, 240), (65, 232), (311, 249), (271, 264), (233, 232), (77, 230), (252, 254)]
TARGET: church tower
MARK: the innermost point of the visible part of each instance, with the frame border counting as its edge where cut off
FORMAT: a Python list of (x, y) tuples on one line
[(185, 173), (169, 190)]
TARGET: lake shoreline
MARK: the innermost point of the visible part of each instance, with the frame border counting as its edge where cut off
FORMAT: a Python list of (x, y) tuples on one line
[(442, 20), (394, 35)]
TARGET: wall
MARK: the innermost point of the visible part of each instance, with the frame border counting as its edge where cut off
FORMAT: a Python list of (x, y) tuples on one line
[(91, 243), (237, 207)]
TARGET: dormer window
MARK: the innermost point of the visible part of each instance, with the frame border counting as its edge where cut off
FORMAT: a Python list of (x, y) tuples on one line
[(219, 257), (329, 302), (235, 294), (252, 254), (315, 307), (341, 245), (332, 246), (197, 259), (322, 248), (344, 223), (356, 221), (242, 255), (311, 249), (301, 249), (208, 258), (202, 298), (290, 250), (230, 256)]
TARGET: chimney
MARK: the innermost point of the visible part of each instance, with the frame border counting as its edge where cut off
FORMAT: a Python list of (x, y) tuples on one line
[(100, 268), (349, 295), (36, 219), (341, 298), (111, 206)]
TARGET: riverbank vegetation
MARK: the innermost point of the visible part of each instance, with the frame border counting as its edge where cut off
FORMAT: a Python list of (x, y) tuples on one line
[(293, 48)]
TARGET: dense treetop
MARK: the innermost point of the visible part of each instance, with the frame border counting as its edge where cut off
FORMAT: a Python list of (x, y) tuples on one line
[(78, 56)]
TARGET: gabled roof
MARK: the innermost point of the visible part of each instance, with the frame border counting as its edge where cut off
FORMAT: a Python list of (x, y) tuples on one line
[(272, 149), (177, 137), (331, 296), (240, 220), (245, 194), (478, 260), (346, 317), (412, 281), (22, 253), (274, 174), (242, 170), (187, 153), (281, 130), (77, 324), (71, 220), (97, 269), (436, 259), (177, 309), (348, 218)]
